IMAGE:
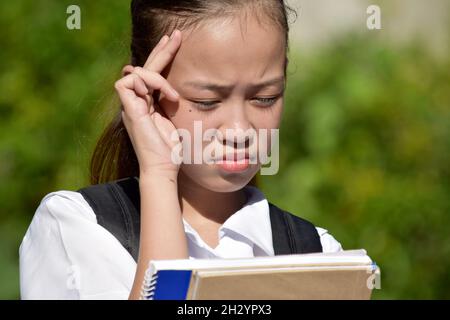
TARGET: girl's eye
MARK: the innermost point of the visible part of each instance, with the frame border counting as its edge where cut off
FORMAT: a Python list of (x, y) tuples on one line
[(209, 105), (205, 105), (267, 101)]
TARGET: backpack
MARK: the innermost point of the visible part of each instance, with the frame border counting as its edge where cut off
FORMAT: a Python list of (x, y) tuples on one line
[(117, 207)]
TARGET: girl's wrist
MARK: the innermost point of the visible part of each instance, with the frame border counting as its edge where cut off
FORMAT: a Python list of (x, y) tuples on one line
[(154, 175)]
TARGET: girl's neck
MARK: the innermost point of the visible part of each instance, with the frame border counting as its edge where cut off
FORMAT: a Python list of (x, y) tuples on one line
[(201, 206)]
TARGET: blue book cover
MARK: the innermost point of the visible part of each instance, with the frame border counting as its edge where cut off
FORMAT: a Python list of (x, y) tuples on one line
[(172, 284)]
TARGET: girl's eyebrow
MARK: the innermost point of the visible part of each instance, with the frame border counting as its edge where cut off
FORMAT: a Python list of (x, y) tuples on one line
[(227, 88)]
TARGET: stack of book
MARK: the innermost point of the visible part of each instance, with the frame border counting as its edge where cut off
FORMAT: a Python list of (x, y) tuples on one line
[(349, 274)]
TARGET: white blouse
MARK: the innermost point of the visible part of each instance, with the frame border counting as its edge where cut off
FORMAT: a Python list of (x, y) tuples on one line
[(65, 254)]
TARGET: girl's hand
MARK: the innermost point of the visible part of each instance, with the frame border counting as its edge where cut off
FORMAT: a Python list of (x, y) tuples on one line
[(148, 128)]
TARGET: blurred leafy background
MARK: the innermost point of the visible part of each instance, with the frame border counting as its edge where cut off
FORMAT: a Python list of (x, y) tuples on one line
[(365, 138)]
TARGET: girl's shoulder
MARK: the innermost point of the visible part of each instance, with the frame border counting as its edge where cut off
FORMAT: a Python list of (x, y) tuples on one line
[(69, 207), (65, 240), (65, 204), (57, 212)]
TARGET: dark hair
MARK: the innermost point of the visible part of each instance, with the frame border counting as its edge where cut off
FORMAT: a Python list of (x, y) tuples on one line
[(114, 157)]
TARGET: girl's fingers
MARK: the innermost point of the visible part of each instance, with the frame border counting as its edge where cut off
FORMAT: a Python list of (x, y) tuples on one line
[(155, 81), (165, 128), (126, 88), (140, 87), (127, 70), (162, 42), (164, 56)]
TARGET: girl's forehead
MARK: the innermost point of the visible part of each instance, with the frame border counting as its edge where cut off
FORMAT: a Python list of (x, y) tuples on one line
[(232, 34), (230, 48)]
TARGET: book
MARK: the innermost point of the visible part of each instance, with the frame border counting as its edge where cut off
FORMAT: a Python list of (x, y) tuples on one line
[(347, 274)]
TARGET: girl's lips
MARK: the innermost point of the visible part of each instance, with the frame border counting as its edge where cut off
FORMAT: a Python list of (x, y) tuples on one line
[(233, 165), (235, 156)]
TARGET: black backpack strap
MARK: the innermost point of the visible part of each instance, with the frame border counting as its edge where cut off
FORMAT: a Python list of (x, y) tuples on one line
[(292, 234), (117, 206)]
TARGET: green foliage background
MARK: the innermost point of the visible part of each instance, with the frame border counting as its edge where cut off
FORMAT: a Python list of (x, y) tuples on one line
[(365, 138)]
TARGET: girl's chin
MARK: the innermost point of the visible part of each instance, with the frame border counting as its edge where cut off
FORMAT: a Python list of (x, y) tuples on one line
[(221, 178)]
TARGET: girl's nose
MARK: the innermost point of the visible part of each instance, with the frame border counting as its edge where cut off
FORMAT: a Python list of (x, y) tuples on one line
[(237, 134), (236, 127)]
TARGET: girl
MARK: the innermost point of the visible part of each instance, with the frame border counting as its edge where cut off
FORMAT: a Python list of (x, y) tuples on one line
[(218, 63)]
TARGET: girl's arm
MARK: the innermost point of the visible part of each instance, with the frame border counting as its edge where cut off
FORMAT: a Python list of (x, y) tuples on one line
[(162, 230)]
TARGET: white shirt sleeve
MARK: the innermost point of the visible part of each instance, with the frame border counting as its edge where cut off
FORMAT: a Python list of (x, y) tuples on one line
[(65, 254), (329, 243)]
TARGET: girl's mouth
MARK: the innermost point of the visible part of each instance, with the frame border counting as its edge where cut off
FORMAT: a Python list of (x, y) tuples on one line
[(233, 165)]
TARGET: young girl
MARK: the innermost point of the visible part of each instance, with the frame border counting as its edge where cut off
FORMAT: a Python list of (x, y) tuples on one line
[(218, 63)]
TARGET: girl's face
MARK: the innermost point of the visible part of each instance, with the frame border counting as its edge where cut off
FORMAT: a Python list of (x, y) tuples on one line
[(229, 79)]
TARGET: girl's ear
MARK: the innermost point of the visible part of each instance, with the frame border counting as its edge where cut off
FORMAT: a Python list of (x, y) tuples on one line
[(127, 70)]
